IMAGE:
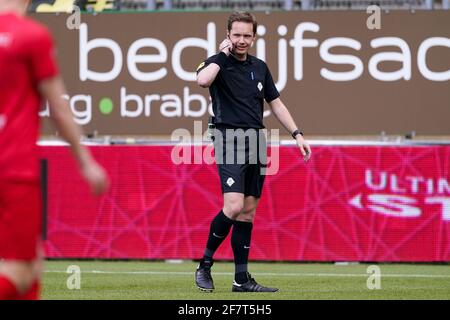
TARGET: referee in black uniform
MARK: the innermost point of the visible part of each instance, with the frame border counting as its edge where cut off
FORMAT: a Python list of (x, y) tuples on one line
[(238, 84)]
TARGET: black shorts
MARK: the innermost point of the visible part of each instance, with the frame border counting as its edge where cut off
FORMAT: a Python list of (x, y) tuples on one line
[(242, 162)]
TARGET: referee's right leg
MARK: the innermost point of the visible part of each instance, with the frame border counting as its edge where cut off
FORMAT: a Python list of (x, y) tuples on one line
[(219, 230), (231, 174)]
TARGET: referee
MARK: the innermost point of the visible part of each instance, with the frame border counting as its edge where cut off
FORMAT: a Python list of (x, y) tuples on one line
[(238, 84)]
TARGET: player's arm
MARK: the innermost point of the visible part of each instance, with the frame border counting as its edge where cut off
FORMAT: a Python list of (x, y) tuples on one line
[(207, 75), (53, 90), (284, 116)]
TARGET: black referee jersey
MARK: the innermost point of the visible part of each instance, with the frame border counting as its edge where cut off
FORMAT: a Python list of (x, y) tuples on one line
[(239, 90)]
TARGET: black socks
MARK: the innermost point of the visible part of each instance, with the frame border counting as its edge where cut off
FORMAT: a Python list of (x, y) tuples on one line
[(240, 242), (220, 227)]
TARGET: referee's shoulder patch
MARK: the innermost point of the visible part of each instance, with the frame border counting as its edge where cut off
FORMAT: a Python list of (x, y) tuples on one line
[(200, 65)]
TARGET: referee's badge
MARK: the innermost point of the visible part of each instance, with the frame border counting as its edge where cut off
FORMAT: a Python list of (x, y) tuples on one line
[(200, 65), (260, 86)]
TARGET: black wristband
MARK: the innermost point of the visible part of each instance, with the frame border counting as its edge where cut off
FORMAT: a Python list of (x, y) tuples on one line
[(295, 133), (220, 59)]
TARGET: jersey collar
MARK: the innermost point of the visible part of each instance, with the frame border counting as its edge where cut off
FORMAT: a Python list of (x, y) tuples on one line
[(248, 60)]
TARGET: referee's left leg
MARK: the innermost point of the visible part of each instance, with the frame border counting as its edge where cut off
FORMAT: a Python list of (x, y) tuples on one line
[(241, 238)]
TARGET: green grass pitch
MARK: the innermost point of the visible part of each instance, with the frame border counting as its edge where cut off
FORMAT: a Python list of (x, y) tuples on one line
[(136, 280)]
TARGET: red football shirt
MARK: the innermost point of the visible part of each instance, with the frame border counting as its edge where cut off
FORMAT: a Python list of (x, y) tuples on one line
[(26, 58)]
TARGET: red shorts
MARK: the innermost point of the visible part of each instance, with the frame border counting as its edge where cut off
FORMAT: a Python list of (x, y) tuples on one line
[(20, 219)]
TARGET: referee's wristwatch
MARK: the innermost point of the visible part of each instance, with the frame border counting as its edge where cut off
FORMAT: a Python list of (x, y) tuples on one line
[(296, 133)]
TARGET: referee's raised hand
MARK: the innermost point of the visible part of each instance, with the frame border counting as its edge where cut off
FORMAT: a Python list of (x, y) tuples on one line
[(226, 46)]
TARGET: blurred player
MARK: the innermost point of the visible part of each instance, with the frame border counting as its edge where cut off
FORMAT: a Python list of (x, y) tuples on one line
[(28, 74), (238, 84)]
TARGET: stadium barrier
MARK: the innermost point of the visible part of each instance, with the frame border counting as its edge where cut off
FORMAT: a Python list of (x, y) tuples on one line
[(380, 202)]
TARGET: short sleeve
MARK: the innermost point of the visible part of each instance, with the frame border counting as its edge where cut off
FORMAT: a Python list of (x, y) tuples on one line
[(43, 56), (270, 90), (205, 63)]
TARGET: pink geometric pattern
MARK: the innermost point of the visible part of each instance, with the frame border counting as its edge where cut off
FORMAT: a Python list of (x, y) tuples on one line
[(348, 203)]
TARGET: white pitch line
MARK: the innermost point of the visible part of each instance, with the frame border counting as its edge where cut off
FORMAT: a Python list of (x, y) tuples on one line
[(261, 274)]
